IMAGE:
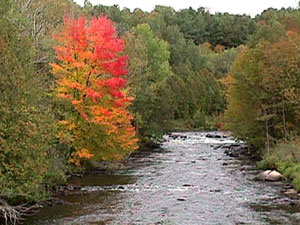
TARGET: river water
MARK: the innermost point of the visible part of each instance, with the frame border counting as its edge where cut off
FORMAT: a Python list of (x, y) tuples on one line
[(187, 181)]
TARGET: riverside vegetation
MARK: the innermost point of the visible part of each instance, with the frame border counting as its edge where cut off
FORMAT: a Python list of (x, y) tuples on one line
[(82, 85)]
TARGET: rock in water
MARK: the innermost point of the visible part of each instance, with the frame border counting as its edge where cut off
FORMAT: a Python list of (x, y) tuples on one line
[(290, 192), (269, 175)]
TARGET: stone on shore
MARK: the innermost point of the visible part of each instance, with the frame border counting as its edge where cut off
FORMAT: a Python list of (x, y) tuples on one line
[(269, 175)]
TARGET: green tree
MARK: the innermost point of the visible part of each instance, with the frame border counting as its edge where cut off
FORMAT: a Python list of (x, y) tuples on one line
[(244, 93), (27, 130), (148, 70)]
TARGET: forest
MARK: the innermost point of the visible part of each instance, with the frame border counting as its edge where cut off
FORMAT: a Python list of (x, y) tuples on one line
[(82, 85)]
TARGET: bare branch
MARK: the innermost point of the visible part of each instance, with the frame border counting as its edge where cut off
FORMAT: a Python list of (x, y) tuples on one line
[(14, 214)]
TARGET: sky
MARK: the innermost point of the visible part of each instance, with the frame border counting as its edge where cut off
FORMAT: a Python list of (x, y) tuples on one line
[(249, 7)]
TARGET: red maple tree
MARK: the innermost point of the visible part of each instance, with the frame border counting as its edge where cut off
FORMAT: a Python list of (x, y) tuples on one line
[(90, 76)]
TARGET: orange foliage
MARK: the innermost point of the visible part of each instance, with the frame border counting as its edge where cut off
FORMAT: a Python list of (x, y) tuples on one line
[(89, 76), (219, 48)]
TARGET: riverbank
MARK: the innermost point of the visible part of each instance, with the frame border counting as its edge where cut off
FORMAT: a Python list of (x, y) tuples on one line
[(290, 194)]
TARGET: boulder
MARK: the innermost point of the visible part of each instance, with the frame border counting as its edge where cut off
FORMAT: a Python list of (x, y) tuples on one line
[(269, 175), (274, 176)]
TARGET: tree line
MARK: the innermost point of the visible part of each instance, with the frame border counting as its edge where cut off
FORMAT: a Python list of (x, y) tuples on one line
[(263, 93), (81, 85)]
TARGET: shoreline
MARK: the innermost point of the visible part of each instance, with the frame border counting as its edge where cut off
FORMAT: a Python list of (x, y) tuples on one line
[(243, 154)]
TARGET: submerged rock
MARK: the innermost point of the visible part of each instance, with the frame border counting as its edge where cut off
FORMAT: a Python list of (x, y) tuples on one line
[(216, 136), (236, 150), (175, 136), (290, 192), (269, 175)]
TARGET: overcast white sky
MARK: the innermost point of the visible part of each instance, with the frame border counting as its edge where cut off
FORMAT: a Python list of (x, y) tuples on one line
[(251, 7)]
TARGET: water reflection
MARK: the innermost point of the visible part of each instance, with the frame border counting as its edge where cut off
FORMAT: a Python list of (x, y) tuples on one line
[(96, 207)]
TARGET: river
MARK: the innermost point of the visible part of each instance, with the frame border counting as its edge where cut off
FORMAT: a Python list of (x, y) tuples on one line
[(187, 181)]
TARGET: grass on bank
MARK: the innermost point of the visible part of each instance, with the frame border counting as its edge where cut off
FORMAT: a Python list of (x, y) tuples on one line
[(285, 157)]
